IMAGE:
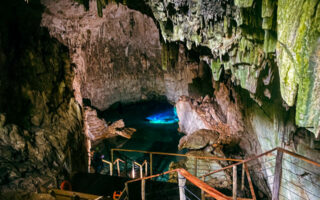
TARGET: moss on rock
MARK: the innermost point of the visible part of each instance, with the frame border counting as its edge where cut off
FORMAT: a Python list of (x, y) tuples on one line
[(298, 33)]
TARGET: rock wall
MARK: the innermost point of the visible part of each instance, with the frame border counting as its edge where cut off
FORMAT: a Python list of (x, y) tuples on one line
[(224, 112), (41, 139), (256, 129), (244, 36), (119, 56), (269, 48)]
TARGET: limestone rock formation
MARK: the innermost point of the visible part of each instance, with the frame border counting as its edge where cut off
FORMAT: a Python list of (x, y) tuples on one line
[(98, 129), (263, 56), (243, 38), (199, 139), (204, 166), (206, 143), (41, 139), (119, 56), (218, 113)]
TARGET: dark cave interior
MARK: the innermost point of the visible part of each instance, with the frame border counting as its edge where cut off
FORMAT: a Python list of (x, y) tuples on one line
[(235, 77)]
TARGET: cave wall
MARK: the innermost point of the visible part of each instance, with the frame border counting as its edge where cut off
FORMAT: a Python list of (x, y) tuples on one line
[(267, 48), (41, 140), (119, 56), (243, 35), (264, 53)]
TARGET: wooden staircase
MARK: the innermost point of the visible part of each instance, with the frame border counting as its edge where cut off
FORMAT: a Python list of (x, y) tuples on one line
[(190, 186)]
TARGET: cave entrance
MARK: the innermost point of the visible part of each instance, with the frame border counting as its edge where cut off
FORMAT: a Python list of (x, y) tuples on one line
[(156, 125)]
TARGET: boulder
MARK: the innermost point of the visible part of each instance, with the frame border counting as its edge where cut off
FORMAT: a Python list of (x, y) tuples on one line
[(199, 139)]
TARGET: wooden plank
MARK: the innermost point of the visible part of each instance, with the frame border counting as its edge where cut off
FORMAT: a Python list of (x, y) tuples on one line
[(182, 182), (71, 194), (277, 176), (239, 198), (143, 188), (234, 183), (253, 194)]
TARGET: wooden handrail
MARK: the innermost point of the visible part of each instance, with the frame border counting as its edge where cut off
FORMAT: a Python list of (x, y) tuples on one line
[(203, 186), (110, 166), (239, 163), (176, 154), (299, 157), (153, 176), (263, 154), (200, 184), (118, 160)]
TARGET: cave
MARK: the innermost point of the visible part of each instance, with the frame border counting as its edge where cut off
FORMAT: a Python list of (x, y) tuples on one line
[(160, 99)]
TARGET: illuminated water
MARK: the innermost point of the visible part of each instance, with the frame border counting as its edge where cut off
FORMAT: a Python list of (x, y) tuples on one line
[(168, 116), (156, 124)]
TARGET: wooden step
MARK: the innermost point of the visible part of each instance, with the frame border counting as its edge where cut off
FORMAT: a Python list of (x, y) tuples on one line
[(69, 195)]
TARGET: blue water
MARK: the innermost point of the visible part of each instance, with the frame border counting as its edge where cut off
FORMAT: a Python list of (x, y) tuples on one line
[(168, 116), (157, 131)]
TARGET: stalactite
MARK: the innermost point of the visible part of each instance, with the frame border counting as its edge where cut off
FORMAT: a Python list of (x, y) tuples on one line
[(99, 7)]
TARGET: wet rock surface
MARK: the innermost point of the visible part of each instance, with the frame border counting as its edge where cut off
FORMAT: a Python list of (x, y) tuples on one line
[(41, 138), (217, 113), (244, 36), (98, 129), (199, 139)]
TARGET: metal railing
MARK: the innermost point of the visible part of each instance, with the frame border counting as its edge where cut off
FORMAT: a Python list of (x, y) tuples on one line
[(195, 167), (183, 175), (276, 166), (287, 174)]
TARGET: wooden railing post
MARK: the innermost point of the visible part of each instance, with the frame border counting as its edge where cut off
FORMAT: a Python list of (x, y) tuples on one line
[(126, 166), (118, 167), (196, 167), (242, 178), (250, 182), (146, 168), (277, 176), (110, 166), (141, 171), (112, 155), (234, 187), (203, 197), (127, 189), (133, 173), (150, 164), (143, 191), (111, 170), (181, 182)]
